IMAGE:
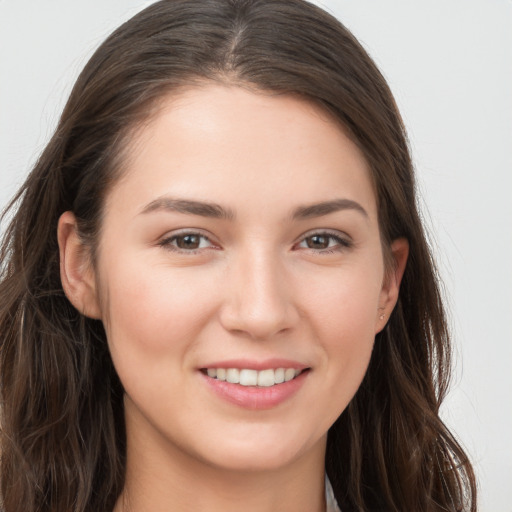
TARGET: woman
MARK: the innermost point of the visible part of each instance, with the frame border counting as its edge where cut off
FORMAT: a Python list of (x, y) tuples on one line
[(216, 289)]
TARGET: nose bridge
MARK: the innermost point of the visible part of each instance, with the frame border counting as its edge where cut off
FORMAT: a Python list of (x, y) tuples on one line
[(258, 300)]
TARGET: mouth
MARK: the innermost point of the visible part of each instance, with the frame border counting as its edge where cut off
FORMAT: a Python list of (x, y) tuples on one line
[(254, 378)]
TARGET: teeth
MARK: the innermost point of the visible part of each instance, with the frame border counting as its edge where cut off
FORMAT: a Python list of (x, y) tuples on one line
[(289, 374), (266, 378), (247, 377), (233, 375)]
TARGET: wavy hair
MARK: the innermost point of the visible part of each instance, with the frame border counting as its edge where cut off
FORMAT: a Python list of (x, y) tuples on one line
[(62, 438)]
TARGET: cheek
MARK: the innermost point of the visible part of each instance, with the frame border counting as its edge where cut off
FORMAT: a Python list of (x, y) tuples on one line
[(342, 314), (344, 302), (150, 309), (153, 320)]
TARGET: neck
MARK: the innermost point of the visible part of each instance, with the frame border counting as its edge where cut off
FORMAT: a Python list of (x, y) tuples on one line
[(160, 477)]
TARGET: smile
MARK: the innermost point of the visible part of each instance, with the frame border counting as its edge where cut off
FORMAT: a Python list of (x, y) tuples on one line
[(249, 377)]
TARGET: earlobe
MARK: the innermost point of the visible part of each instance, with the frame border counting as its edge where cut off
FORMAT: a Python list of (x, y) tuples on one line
[(76, 272), (391, 285)]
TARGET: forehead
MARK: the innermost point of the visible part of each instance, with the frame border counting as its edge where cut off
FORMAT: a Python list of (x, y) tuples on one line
[(243, 148)]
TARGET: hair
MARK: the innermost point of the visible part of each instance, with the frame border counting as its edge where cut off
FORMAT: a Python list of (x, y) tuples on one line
[(62, 437)]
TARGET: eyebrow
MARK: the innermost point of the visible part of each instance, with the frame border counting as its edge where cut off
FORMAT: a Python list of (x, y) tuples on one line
[(203, 209), (216, 211), (327, 207)]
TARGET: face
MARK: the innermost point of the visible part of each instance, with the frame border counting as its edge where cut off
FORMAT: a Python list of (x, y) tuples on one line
[(240, 277)]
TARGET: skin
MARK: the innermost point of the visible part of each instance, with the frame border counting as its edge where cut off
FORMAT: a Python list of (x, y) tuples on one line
[(259, 286)]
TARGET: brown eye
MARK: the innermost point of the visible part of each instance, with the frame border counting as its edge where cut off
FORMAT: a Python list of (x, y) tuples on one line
[(325, 243), (318, 241), (188, 241)]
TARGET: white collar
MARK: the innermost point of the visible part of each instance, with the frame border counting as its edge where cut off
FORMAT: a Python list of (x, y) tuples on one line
[(330, 500)]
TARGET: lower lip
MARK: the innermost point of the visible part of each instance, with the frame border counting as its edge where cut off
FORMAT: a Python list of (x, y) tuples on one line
[(254, 397)]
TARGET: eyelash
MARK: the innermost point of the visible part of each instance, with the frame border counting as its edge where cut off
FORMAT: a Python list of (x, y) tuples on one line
[(167, 243), (342, 243)]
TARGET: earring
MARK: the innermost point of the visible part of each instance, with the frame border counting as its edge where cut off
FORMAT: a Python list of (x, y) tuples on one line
[(381, 317)]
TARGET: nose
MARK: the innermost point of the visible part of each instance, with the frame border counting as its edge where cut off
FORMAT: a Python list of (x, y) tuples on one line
[(258, 300)]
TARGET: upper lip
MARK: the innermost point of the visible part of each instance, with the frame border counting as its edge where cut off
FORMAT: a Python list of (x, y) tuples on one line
[(252, 364)]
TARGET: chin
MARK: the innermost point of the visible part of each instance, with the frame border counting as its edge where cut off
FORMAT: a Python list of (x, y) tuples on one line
[(257, 454)]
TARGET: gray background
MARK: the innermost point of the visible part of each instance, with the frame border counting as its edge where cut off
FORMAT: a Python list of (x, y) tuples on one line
[(449, 63)]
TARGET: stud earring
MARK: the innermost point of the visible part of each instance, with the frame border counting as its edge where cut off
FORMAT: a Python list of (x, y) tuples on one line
[(381, 317)]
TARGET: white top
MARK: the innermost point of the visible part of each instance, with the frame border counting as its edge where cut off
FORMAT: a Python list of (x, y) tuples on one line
[(332, 505)]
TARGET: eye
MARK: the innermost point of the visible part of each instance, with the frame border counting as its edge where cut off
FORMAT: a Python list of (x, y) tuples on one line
[(325, 242), (186, 242)]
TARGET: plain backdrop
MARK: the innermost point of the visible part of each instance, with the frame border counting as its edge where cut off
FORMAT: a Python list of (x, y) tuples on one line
[(449, 64)]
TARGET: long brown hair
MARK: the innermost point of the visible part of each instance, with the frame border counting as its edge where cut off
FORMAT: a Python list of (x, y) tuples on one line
[(62, 438)]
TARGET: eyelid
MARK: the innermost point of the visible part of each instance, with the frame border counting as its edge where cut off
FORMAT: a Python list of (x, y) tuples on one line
[(345, 241), (166, 240)]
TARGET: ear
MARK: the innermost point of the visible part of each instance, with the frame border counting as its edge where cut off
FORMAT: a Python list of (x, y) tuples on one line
[(391, 286), (76, 271)]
